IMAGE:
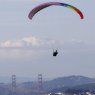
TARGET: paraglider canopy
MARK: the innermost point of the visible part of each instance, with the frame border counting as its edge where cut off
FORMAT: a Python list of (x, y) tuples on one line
[(47, 4)]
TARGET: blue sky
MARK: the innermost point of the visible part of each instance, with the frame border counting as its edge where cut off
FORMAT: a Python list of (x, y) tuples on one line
[(26, 45)]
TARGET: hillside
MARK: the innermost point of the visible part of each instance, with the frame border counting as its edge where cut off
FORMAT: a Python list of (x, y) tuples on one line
[(69, 81)]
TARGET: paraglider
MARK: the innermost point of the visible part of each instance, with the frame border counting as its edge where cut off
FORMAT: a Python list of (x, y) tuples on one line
[(55, 53), (47, 4)]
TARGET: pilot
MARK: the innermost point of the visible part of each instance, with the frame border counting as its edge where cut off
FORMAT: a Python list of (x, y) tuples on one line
[(55, 53)]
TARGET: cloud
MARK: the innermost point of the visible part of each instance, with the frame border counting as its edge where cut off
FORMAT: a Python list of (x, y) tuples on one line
[(24, 42), (36, 43), (27, 42), (19, 48)]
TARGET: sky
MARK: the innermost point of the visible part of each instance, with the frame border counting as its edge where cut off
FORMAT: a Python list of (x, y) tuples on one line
[(26, 45)]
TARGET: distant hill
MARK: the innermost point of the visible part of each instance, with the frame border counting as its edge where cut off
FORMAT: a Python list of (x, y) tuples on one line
[(69, 81)]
